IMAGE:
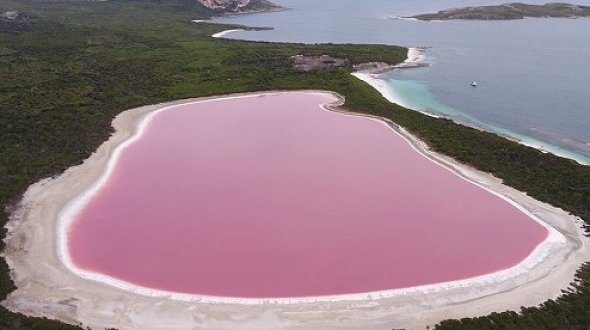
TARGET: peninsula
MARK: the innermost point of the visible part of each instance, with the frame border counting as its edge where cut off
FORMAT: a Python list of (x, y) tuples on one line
[(508, 11)]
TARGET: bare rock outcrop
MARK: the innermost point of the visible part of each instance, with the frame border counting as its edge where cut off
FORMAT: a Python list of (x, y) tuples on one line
[(239, 6)]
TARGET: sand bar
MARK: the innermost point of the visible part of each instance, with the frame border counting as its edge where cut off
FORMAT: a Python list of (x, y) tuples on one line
[(224, 33), (48, 287)]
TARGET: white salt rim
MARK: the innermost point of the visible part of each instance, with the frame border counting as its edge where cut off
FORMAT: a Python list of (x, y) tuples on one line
[(554, 240)]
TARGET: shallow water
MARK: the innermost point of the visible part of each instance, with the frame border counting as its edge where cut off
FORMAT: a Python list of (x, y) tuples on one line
[(274, 197)]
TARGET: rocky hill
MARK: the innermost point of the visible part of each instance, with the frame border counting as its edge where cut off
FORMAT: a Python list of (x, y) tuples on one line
[(239, 6)]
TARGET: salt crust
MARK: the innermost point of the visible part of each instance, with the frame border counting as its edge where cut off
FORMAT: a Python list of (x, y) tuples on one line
[(554, 239)]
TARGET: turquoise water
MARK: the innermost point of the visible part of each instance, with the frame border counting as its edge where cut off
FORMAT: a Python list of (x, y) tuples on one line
[(416, 95), (533, 75)]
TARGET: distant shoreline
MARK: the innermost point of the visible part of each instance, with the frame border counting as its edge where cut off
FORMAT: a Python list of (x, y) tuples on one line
[(509, 11)]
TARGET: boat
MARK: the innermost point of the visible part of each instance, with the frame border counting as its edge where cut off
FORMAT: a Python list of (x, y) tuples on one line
[(474, 83)]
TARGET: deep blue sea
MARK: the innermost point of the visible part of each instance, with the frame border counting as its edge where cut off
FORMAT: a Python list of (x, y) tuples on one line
[(533, 75)]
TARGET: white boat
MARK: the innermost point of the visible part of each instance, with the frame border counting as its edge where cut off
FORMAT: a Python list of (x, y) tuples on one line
[(474, 83)]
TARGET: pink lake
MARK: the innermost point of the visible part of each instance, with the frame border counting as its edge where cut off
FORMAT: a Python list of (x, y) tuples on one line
[(273, 196)]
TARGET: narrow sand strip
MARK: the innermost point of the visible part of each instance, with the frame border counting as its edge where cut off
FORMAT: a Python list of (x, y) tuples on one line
[(49, 287), (224, 33), (381, 87), (415, 58)]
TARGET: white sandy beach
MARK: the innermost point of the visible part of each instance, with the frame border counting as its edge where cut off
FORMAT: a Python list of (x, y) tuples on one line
[(49, 285), (224, 33), (415, 58)]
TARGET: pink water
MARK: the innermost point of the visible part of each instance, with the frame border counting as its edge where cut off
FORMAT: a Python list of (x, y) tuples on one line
[(272, 196)]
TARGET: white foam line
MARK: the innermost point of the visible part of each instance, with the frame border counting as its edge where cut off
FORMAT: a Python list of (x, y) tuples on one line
[(224, 33), (404, 18), (554, 238)]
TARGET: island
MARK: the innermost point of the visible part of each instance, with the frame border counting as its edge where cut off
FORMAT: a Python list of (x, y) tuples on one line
[(509, 11)]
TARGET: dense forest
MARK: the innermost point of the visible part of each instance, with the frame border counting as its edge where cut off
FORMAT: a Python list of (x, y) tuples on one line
[(69, 67)]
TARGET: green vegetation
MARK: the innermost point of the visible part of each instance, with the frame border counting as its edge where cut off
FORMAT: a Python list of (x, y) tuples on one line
[(510, 11), (570, 312), (69, 67)]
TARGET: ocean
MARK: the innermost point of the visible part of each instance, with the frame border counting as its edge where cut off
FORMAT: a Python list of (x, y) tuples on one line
[(533, 75)]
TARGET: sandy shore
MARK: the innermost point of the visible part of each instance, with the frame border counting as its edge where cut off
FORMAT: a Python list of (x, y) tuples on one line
[(224, 33), (416, 58), (380, 86), (48, 286)]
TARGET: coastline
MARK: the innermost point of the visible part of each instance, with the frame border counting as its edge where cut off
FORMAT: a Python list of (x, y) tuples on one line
[(369, 74), (49, 286), (224, 33), (415, 58)]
